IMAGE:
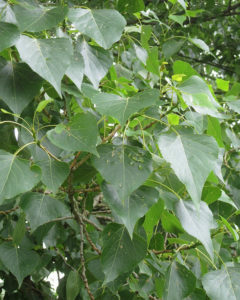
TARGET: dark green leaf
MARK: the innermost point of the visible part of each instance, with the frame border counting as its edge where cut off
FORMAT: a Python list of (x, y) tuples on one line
[(9, 35), (19, 230), (119, 165), (41, 209), (122, 108), (80, 134), (49, 58), (172, 46), (120, 253), (73, 285), (131, 7)]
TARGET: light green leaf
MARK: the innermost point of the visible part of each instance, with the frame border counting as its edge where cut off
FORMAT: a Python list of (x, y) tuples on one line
[(122, 108), (222, 84), (49, 58), (130, 6), (223, 284), (192, 157), (19, 261), (119, 165), (35, 18), (41, 209), (182, 67), (73, 285), (105, 26), (234, 105), (172, 46), (120, 253), (76, 69), (214, 129), (182, 3), (80, 134), (179, 282), (97, 61), (152, 62), (178, 18), (43, 104), (6, 12), (9, 35), (146, 31), (53, 173), (16, 177), (197, 222), (18, 85), (133, 208), (173, 119), (200, 44), (231, 230)]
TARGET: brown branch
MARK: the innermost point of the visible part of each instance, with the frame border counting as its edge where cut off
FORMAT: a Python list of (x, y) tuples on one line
[(81, 162), (111, 134), (93, 189), (106, 218), (5, 212), (108, 211), (94, 247), (91, 223), (75, 160)]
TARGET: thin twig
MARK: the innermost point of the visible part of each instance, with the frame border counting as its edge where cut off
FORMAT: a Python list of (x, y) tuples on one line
[(93, 189), (108, 211), (75, 160), (106, 218), (91, 223), (90, 241), (111, 134), (81, 162), (5, 212), (64, 259)]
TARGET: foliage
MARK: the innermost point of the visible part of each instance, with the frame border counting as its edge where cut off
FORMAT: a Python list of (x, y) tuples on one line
[(119, 149)]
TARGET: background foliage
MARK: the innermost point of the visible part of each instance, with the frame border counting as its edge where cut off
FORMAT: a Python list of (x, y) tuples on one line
[(119, 149)]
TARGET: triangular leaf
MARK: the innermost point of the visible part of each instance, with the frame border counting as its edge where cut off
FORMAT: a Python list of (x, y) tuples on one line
[(16, 177), (80, 134), (19, 261), (41, 209), (122, 108), (49, 58), (18, 85), (120, 254), (119, 165), (76, 69), (192, 158), (9, 35), (105, 26), (133, 208), (197, 223)]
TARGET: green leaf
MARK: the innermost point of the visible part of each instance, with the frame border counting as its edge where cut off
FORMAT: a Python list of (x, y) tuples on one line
[(222, 284), (120, 253), (49, 58), (80, 134), (197, 222), (231, 230), (76, 69), (182, 67), (19, 230), (197, 294), (54, 173), (173, 119), (35, 18), (105, 26), (170, 223), (222, 84), (130, 6), (214, 129), (152, 63), (9, 35), (200, 44), (41, 209), (18, 85), (179, 282), (157, 242), (146, 31), (172, 46), (73, 285), (133, 208), (19, 261), (234, 105), (192, 157), (178, 18), (152, 217), (97, 61), (122, 108), (16, 177), (43, 104), (119, 165)]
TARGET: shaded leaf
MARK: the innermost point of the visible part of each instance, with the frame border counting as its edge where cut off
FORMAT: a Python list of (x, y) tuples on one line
[(9, 35), (134, 206), (172, 46), (73, 285), (120, 254), (19, 261), (41, 209), (18, 85), (16, 177), (122, 108), (49, 58), (119, 165), (80, 134), (105, 26)]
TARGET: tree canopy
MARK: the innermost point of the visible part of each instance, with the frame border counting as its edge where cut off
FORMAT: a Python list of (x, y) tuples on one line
[(119, 149)]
